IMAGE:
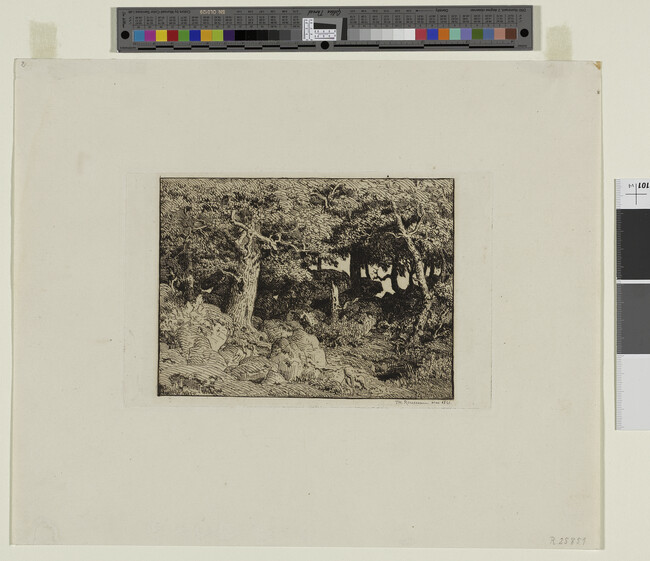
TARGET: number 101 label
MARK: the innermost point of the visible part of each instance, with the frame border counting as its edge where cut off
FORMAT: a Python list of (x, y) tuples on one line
[(633, 193)]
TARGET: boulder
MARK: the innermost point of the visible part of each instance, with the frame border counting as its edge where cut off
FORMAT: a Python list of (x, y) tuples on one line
[(273, 378), (295, 371), (335, 375), (256, 362), (358, 379), (311, 318), (186, 337), (309, 373), (252, 369), (309, 345), (217, 361), (218, 336), (232, 354), (367, 323), (171, 356), (200, 352), (333, 381), (293, 323), (215, 315), (276, 329), (288, 366)]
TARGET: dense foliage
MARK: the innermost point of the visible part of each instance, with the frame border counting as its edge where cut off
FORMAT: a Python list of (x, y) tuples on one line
[(323, 287)]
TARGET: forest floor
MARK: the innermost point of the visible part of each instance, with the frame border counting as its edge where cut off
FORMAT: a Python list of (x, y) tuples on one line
[(287, 359)]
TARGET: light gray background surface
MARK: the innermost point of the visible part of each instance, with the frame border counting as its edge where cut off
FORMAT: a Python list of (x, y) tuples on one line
[(515, 474), (581, 30)]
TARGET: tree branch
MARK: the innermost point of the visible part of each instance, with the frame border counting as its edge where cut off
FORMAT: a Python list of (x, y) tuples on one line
[(415, 253), (238, 278), (400, 223), (334, 190), (273, 241), (252, 232), (326, 198), (279, 240), (413, 231), (322, 197), (376, 277)]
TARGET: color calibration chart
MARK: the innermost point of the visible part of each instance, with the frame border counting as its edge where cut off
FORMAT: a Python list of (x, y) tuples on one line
[(328, 28), (632, 304)]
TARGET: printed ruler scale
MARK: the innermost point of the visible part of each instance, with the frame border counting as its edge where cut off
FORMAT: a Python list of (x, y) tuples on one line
[(632, 304), (364, 28)]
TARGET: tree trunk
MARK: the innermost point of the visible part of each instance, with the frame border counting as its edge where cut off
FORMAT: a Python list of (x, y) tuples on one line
[(444, 271), (244, 292), (191, 292), (335, 304), (189, 274), (423, 318), (432, 277), (418, 265), (394, 279), (355, 270)]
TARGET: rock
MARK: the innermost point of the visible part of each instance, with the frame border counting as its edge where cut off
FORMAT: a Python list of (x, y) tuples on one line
[(171, 356), (256, 363), (215, 315), (280, 345), (279, 358), (218, 336), (274, 378), (309, 373), (186, 337), (337, 375), (318, 358), (258, 342), (292, 323), (286, 347), (309, 345), (275, 330), (215, 360), (290, 367), (334, 381), (281, 362), (252, 369), (295, 371), (367, 323), (309, 318), (232, 354), (200, 352), (357, 379), (303, 340)]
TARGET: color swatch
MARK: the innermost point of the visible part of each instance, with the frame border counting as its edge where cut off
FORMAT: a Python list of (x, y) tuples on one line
[(633, 305), (632, 302), (378, 34), (353, 28)]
